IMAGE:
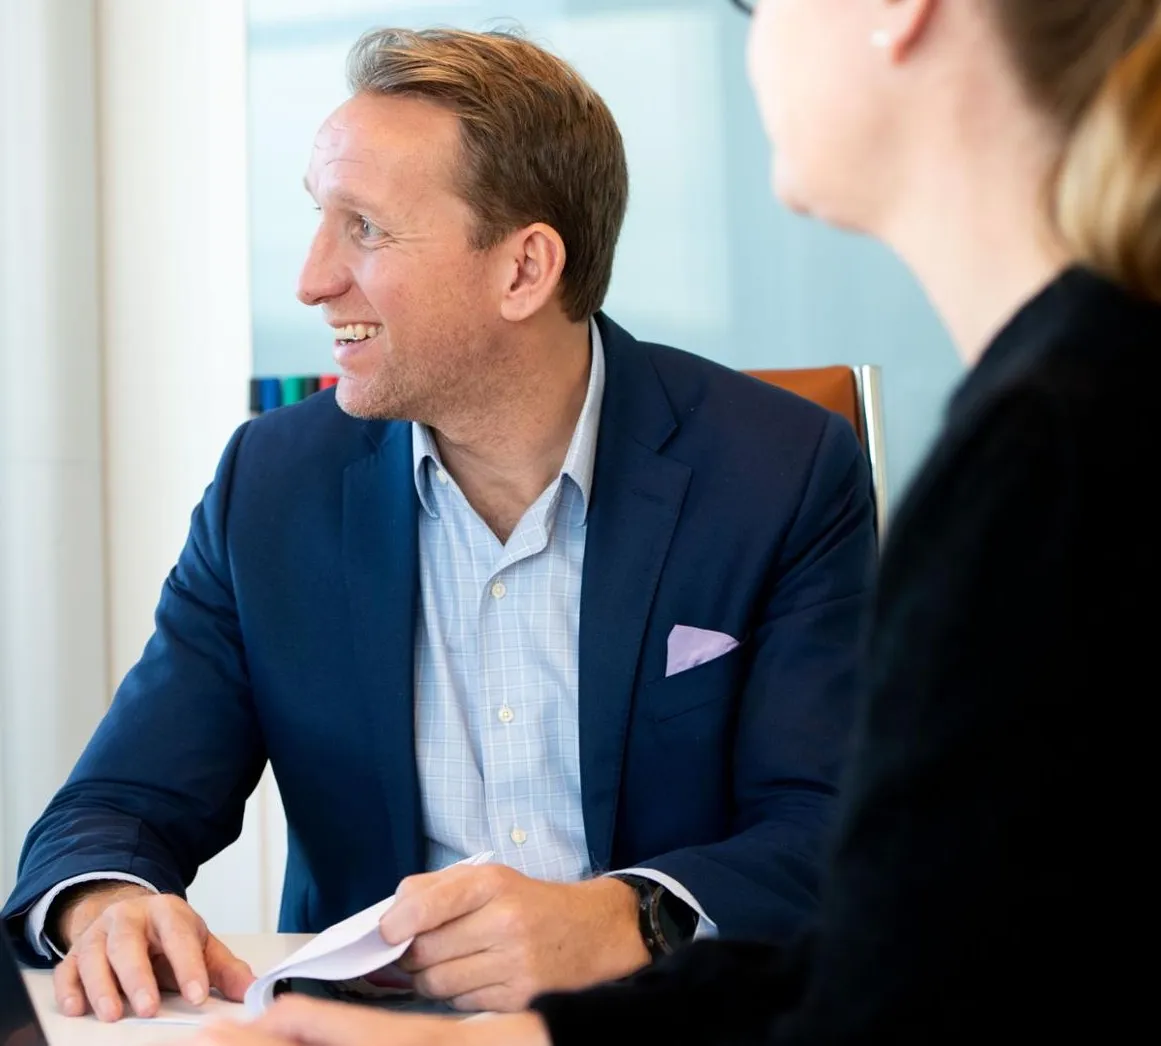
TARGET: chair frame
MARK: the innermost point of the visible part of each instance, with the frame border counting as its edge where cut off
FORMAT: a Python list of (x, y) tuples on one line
[(869, 385)]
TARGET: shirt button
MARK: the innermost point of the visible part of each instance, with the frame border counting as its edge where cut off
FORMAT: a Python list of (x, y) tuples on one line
[(441, 475), (505, 715), (499, 590), (519, 836)]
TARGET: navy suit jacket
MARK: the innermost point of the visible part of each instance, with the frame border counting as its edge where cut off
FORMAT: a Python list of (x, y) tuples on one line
[(286, 633)]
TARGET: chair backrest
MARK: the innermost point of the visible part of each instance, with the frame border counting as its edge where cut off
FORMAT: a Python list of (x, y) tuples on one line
[(856, 394)]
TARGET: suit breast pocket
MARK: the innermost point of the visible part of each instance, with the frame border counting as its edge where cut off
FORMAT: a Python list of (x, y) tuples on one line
[(710, 683)]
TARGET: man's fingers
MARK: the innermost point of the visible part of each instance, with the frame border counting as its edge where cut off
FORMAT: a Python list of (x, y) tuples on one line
[(496, 999), (67, 987), (163, 972), (420, 882), (128, 954), (426, 902), (100, 985), (139, 946), (459, 977), (180, 936), (229, 974), (460, 938)]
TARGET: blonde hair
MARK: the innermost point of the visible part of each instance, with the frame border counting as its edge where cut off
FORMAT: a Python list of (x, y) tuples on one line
[(1095, 67), (537, 142)]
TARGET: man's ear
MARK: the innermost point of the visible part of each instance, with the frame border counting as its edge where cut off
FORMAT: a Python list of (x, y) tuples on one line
[(533, 260)]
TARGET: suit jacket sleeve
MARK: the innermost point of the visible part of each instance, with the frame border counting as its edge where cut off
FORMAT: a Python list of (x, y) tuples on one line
[(162, 785), (947, 911), (796, 709)]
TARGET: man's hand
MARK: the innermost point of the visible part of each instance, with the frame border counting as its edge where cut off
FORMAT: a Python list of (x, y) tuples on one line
[(122, 938), (489, 938), (309, 1022)]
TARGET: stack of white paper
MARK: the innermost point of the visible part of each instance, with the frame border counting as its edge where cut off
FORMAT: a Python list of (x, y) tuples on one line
[(351, 948)]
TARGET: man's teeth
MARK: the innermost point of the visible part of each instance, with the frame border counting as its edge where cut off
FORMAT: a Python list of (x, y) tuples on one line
[(357, 331)]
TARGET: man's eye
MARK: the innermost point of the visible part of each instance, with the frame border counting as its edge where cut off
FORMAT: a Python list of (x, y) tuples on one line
[(369, 230)]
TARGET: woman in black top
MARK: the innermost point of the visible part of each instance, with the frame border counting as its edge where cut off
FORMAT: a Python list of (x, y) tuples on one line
[(989, 877)]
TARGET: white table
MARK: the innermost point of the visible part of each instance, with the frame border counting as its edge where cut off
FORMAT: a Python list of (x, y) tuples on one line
[(261, 951)]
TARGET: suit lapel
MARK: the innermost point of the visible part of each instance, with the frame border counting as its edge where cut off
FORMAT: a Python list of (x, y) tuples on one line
[(635, 502), (380, 557)]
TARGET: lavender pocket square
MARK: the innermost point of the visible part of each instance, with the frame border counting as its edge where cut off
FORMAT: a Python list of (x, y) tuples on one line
[(689, 647)]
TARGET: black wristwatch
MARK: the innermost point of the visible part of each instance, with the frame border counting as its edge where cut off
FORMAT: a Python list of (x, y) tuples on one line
[(666, 922)]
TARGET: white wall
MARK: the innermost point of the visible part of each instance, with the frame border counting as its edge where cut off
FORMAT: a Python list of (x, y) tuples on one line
[(172, 79), (53, 663)]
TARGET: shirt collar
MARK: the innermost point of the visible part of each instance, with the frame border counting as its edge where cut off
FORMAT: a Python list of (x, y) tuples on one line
[(579, 460), (425, 458)]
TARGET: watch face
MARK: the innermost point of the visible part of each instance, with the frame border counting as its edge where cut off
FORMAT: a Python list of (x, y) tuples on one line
[(666, 922), (676, 920)]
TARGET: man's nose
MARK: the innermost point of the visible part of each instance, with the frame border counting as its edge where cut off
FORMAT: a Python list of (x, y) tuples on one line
[(323, 277)]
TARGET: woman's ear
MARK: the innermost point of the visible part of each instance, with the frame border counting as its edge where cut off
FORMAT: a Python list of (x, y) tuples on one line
[(901, 26)]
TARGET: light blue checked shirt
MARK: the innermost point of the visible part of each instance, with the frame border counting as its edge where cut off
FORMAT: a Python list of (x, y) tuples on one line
[(496, 661), (496, 667)]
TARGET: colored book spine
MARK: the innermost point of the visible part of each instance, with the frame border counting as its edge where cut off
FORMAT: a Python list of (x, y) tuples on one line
[(270, 395)]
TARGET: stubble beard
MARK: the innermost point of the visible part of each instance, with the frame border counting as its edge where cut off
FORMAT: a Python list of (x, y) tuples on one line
[(422, 393)]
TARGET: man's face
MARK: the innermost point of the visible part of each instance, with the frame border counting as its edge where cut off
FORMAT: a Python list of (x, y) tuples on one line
[(415, 306)]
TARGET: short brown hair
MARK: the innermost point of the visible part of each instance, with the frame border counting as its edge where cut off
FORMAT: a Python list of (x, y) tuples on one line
[(1095, 67), (538, 143)]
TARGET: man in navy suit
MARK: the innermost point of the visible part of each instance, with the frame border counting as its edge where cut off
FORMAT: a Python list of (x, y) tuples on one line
[(520, 584)]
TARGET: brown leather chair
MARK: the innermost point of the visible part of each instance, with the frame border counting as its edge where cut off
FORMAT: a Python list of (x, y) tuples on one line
[(855, 393)]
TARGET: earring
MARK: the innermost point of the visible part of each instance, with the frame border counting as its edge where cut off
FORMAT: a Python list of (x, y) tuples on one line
[(881, 39)]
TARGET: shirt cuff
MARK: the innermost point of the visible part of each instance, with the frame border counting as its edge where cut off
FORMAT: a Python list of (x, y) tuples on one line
[(707, 929), (38, 913)]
